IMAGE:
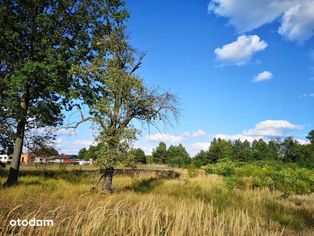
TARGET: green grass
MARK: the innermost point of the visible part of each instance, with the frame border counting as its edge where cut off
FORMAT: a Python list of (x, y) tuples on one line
[(147, 205), (287, 178)]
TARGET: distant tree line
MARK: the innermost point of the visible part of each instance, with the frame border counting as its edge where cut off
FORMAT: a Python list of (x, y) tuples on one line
[(136, 155), (174, 155), (287, 150)]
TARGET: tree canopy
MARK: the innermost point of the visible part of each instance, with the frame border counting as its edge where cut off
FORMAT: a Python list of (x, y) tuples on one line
[(40, 43), (120, 97)]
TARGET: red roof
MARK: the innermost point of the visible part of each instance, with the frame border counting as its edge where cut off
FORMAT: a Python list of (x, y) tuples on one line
[(69, 161), (64, 157)]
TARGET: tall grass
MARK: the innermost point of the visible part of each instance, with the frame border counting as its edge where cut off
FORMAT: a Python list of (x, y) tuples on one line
[(147, 205)]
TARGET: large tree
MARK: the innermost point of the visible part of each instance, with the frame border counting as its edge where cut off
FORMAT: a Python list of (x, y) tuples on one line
[(159, 154), (40, 42), (219, 150), (121, 98), (178, 154)]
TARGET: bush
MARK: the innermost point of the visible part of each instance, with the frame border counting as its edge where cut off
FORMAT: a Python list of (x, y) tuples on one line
[(222, 168), (192, 171), (149, 160), (287, 178), (197, 163), (176, 161)]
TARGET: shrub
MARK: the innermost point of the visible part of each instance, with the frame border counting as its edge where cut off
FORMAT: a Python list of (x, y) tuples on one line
[(176, 161), (222, 168), (149, 160), (197, 163), (192, 171), (287, 178)]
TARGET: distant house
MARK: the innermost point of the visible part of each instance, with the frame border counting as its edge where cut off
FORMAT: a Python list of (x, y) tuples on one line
[(27, 158), (63, 158), (5, 159), (40, 160)]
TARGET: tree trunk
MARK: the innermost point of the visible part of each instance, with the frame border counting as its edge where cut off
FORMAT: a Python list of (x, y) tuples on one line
[(18, 147), (108, 174)]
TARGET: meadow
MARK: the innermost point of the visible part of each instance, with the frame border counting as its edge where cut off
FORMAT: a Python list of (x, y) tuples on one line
[(145, 204)]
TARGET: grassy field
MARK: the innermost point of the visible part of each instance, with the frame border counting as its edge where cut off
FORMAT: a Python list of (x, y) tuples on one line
[(147, 205)]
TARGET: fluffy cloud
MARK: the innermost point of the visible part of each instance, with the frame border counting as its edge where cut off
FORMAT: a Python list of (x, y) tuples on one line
[(84, 142), (265, 75), (71, 147), (241, 137), (271, 128), (167, 138), (198, 133), (240, 51), (296, 16), (303, 141), (298, 22), (201, 146), (266, 130), (60, 142)]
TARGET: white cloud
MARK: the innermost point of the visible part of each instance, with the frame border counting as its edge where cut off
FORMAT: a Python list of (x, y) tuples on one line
[(266, 130), (201, 146), (82, 142), (303, 141), (306, 95), (56, 131), (70, 147), (241, 137), (274, 128), (148, 150), (240, 51), (59, 142), (298, 22), (296, 16), (265, 75), (166, 138), (198, 133)]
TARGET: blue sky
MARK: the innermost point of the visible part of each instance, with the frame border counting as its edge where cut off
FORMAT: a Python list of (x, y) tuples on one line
[(241, 69)]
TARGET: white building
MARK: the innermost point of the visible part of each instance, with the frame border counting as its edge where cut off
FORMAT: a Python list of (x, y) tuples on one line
[(6, 158)]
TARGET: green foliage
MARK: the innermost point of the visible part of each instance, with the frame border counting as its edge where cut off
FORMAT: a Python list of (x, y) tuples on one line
[(149, 160), (192, 171), (310, 137), (121, 97), (174, 155), (42, 42), (202, 157), (138, 155), (292, 151), (176, 161), (220, 149), (225, 168), (287, 150), (197, 163), (46, 151), (178, 152), (287, 178), (259, 149), (159, 154), (90, 153), (39, 50), (241, 150)]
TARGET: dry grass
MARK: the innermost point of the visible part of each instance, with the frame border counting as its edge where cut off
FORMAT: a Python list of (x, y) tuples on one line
[(145, 205)]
